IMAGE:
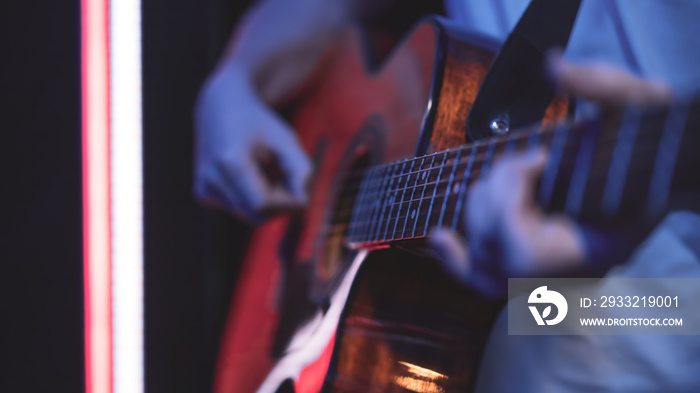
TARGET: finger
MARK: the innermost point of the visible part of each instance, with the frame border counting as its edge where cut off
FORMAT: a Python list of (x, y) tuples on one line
[(210, 191), (532, 162), (604, 83), (279, 199), (477, 216), (452, 252), (516, 180), (510, 185), (527, 170), (248, 189), (499, 203), (535, 240), (292, 157)]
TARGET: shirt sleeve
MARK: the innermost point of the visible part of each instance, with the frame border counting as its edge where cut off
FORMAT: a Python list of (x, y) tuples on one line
[(658, 40)]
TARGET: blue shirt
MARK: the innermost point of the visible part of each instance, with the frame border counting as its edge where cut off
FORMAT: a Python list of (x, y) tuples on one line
[(654, 39)]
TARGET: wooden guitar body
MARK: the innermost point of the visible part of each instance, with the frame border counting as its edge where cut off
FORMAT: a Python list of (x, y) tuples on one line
[(309, 313)]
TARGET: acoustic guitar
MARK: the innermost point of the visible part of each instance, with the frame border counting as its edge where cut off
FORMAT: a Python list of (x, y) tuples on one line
[(340, 296)]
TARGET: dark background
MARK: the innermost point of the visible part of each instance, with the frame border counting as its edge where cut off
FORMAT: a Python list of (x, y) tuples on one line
[(41, 316), (191, 253)]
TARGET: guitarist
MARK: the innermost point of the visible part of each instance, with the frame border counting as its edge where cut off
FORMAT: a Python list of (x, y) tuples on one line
[(620, 51)]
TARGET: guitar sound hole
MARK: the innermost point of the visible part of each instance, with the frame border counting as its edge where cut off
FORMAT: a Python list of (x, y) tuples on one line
[(286, 387), (335, 254)]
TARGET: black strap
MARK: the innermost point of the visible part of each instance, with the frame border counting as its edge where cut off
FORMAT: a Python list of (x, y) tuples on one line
[(516, 91)]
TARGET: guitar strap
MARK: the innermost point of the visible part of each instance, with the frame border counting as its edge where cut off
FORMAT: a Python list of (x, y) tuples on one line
[(516, 91)]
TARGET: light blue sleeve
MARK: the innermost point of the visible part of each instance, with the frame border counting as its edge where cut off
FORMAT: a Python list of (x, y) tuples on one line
[(653, 39), (494, 18), (599, 363)]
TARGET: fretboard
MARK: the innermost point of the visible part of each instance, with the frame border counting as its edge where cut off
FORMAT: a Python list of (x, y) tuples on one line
[(629, 162)]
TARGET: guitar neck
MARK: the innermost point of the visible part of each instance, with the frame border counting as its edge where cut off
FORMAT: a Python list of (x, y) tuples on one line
[(625, 163)]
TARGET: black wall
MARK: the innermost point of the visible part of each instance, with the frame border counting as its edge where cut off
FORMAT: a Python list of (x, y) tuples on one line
[(191, 253), (41, 303)]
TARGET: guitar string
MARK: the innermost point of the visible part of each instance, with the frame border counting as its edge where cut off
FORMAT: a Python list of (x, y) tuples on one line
[(481, 154), (480, 160), (460, 180), (566, 125), (643, 139), (497, 141), (513, 140), (598, 176), (476, 172), (421, 213), (549, 130), (340, 227)]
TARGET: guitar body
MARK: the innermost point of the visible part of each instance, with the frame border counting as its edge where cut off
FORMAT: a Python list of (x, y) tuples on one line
[(309, 313)]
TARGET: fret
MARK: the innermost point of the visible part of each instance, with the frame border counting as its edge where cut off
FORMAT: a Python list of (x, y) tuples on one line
[(533, 140), (622, 156), (564, 172), (582, 167), (449, 187), (685, 178), (486, 163), (403, 195), (393, 199), (666, 157), (463, 189), (638, 177), (510, 145), (377, 201), (416, 212), (551, 168), (432, 199), (455, 187), (518, 142), (597, 175), (361, 196), (408, 209), (387, 200)]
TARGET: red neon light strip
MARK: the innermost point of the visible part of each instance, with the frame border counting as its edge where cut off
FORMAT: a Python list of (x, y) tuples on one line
[(96, 195)]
